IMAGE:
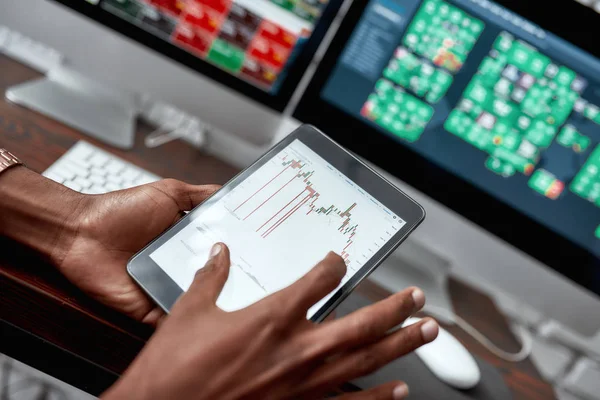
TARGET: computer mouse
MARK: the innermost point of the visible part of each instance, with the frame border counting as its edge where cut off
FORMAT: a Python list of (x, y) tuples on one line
[(448, 360)]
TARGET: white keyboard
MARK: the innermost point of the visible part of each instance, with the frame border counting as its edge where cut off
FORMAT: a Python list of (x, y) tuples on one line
[(87, 169)]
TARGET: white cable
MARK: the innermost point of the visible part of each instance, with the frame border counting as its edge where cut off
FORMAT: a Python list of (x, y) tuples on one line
[(524, 336)]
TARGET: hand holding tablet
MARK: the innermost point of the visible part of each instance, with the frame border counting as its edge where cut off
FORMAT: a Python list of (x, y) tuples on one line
[(242, 315), (269, 349), (306, 197)]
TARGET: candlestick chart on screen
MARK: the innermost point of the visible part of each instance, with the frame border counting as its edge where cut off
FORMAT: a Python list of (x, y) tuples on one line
[(279, 222), (290, 196)]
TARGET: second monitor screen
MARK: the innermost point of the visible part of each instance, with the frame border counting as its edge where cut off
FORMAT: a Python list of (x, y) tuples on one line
[(487, 95), (255, 40)]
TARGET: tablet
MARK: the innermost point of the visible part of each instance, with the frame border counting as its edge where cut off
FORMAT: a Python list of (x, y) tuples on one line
[(305, 197)]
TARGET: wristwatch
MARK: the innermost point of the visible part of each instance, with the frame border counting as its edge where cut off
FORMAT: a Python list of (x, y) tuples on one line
[(8, 160)]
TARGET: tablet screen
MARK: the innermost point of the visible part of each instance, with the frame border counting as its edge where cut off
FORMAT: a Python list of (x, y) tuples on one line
[(279, 223)]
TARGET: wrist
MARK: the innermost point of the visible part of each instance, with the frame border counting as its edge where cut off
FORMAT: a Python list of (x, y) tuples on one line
[(38, 212)]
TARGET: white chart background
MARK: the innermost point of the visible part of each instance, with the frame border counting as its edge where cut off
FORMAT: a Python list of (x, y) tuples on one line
[(277, 228)]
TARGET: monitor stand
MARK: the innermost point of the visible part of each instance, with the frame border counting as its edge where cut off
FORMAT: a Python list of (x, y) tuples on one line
[(415, 265), (103, 113)]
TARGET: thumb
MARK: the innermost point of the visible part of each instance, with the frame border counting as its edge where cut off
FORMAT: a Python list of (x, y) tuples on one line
[(196, 194), (186, 196), (210, 280)]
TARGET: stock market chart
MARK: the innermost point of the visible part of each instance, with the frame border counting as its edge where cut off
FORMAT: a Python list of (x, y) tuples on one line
[(258, 207), (278, 223)]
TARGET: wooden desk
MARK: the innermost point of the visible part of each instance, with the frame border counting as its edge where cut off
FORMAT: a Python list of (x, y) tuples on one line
[(49, 324)]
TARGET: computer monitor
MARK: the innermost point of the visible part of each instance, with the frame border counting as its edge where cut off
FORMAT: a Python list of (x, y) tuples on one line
[(257, 48), (493, 111), (265, 44)]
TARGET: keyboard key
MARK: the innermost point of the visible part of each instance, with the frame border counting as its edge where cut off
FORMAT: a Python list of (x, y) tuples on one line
[(144, 180), (56, 178), (97, 179), (81, 163), (114, 167), (99, 171), (99, 159), (111, 187), (117, 180), (128, 184), (73, 185), (76, 168), (130, 175), (82, 151), (97, 189), (83, 182), (67, 174), (584, 379)]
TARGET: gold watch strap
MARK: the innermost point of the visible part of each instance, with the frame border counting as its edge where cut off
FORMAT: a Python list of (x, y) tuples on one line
[(8, 160)]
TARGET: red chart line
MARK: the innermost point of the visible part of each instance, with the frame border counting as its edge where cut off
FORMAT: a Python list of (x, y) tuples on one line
[(270, 197), (282, 208), (348, 245), (265, 185), (347, 212), (345, 224), (285, 217)]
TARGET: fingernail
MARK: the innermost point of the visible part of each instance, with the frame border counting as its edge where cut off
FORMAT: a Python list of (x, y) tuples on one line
[(216, 249), (419, 298), (400, 392), (429, 330)]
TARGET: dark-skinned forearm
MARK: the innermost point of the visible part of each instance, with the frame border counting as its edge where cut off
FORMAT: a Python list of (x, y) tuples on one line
[(38, 212)]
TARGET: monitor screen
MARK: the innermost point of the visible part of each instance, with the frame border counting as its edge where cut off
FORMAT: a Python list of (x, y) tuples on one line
[(486, 95), (257, 41)]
